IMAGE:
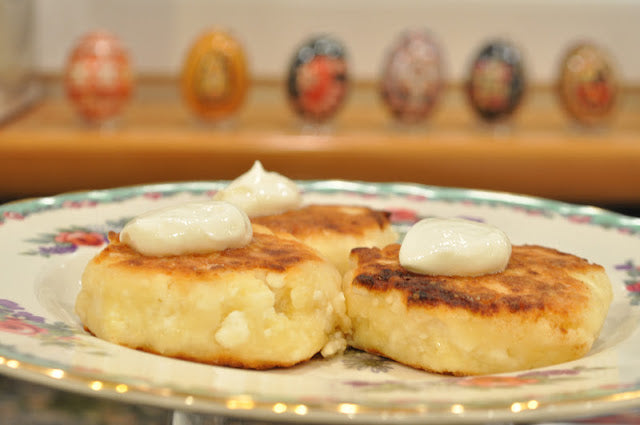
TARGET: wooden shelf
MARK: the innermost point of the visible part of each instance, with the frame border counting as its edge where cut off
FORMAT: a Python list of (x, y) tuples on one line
[(47, 150)]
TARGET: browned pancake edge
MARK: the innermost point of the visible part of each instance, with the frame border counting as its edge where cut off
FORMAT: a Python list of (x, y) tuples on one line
[(320, 219), (266, 251), (537, 279)]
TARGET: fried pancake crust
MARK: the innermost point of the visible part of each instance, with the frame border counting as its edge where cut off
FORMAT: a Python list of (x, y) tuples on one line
[(536, 279), (547, 307), (333, 230), (266, 251), (315, 219)]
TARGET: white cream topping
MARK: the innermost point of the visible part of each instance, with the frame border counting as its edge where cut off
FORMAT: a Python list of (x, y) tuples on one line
[(190, 228), (259, 192), (454, 247)]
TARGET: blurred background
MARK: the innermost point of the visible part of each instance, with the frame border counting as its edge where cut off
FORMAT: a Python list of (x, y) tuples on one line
[(158, 32), (47, 148)]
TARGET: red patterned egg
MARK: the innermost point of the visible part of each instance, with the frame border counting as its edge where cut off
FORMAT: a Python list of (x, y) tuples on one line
[(588, 84), (98, 77), (412, 77), (215, 79)]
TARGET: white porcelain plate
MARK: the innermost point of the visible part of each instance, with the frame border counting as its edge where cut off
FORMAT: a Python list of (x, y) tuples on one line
[(45, 244)]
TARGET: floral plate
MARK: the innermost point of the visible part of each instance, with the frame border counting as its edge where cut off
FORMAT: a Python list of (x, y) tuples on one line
[(46, 242)]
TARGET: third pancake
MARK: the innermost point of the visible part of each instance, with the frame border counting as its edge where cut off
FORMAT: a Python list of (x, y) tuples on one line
[(334, 230), (547, 307)]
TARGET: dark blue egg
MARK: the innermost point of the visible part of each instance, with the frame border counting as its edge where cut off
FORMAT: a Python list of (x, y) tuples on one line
[(496, 81)]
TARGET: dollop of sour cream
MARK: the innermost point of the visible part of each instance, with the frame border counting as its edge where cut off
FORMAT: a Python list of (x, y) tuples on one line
[(190, 228), (454, 247), (259, 192)]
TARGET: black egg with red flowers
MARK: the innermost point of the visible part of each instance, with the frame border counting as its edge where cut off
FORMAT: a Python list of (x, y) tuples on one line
[(496, 82)]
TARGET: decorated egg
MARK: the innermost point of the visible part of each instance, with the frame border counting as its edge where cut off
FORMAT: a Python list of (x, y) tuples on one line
[(496, 81), (98, 77), (318, 80), (215, 78), (412, 77), (588, 85)]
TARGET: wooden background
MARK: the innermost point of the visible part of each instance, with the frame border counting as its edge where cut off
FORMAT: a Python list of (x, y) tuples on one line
[(48, 150)]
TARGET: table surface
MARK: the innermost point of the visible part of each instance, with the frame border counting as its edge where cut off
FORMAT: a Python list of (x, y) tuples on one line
[(48, 149)]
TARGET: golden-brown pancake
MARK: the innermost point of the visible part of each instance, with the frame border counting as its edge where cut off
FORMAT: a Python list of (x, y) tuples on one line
[(272, 303), (547, 307), (334, 229)]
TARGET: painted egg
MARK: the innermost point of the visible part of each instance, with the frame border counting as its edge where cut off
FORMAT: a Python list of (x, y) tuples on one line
[(588, 85), (412, 77), (318, 79), (215, 78), (496, 81), (98, 77)]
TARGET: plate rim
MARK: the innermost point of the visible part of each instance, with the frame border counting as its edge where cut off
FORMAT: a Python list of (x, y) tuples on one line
[(450, 192)]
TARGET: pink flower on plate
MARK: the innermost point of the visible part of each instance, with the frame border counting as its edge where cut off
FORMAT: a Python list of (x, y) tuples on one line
[(497, 381), (153, 195), (625, 230), (634, 287), (79, 204), (403, 215), (12, 215), (418, 198), (13, 325), (579, 218), (81, 238), (368, 195)]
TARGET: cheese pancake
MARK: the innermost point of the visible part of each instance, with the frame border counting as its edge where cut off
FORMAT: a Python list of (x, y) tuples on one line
[(334, 229), (272, 303), (545, 308)]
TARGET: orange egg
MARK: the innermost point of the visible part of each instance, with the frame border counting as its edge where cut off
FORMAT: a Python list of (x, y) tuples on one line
[(588, 84), (98, 77), (215, 79)]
